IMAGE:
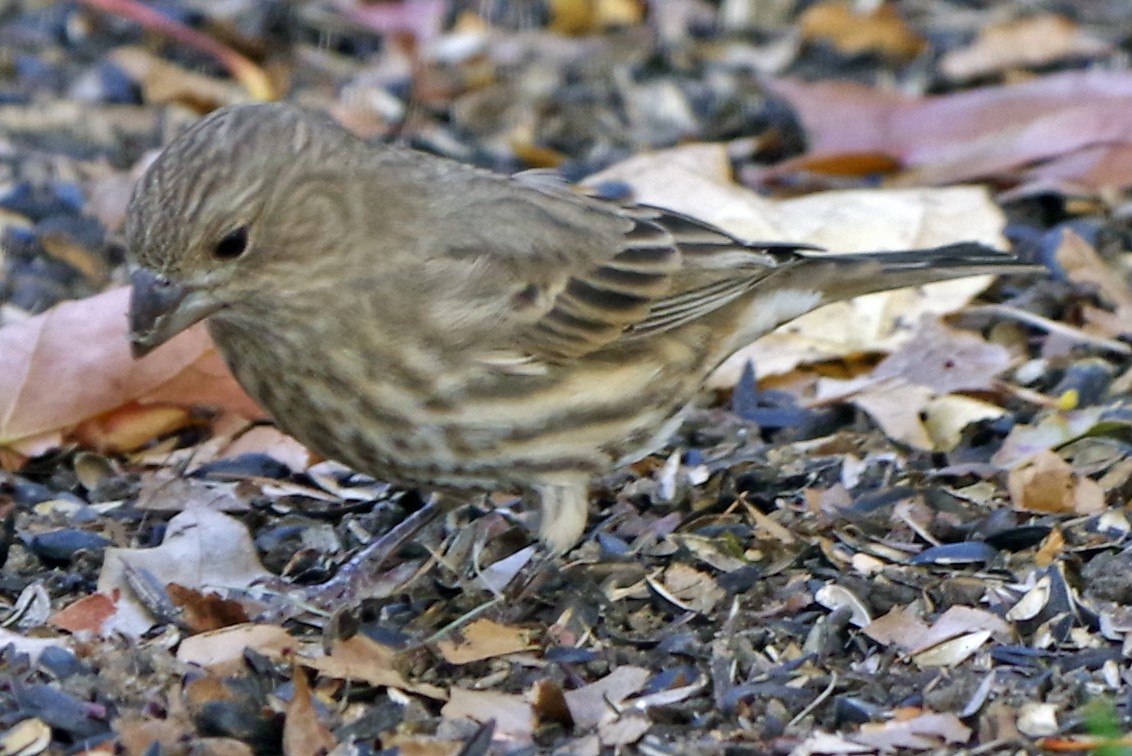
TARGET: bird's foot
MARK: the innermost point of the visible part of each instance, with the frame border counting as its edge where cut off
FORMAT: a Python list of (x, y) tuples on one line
[(360, 577)]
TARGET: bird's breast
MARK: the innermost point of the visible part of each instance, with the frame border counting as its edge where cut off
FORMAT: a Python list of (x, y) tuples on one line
[(445, 421)]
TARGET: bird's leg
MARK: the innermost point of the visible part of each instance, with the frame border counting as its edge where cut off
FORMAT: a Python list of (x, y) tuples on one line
[(564, 509), (355, 580), (563, 512)]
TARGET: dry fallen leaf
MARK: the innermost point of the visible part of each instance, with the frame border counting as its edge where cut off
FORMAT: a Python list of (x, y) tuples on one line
[(592, 704), (1047, 484), (908, 393), (946, 360), (946, 417), (204, 611), (484, 639), (919, 730), (904, 629), (624, 730), (989, 131), (202, 548), (1083, 265), (1051, 548), (1052, 430), (72, 364), (698, 590), (359, 658), (1021, 42), (304, 734), (422, 20), (514, 717), (577, 17), (165, 82), (857, 29), (87, 615), (222, 651)]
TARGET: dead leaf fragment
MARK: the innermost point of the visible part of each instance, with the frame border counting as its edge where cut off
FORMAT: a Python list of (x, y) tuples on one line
[(484, 639), (202, 549), (1051, 548), (853, 31), (303, 733), (925, 730), (624, 730), (73, 363), (222, 651), (945, 418), (130, 426), (576, 17), (987, 131), (360, 658), (422, 20), (87, 615), (549, 703), (590, 705), (514, 717), (164, 82), (931, 644), (1053, 430), (698, 590), (946, 360), (897, 408), (1022, 42), (206, 611), (1082, 264), (1048, 485), (953, 651)]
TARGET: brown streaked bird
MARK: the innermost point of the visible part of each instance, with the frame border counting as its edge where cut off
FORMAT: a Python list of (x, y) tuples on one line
[(442, 327)]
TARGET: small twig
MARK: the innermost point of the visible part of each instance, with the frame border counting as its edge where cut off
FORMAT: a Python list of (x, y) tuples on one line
[(1052, 326), (464, 619), (816, 702)]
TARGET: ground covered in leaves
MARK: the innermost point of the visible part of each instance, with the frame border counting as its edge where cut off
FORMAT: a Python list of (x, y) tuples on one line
[(898, 525)]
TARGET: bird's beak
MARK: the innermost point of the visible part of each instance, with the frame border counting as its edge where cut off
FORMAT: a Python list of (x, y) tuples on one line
[(160, 309)]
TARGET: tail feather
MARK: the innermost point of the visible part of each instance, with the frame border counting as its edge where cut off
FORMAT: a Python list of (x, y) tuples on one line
[(852, 275), (811, 280)]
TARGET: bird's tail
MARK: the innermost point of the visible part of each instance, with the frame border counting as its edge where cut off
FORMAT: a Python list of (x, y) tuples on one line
[(852, 275), (814, 279)]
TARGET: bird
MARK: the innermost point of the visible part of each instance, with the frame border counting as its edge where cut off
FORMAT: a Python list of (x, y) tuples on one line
[(446, 328)]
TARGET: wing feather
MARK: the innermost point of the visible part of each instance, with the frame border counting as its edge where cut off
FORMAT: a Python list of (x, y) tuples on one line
[(611, 270)]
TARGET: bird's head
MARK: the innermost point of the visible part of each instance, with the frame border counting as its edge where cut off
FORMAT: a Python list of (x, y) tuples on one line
[(197, 226)]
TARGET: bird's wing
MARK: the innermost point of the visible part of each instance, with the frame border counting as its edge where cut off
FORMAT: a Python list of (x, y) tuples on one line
[(566, 275), (668, 271), (607, 269)]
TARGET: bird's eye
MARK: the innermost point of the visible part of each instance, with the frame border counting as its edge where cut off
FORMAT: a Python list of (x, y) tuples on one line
[(232, 244)]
